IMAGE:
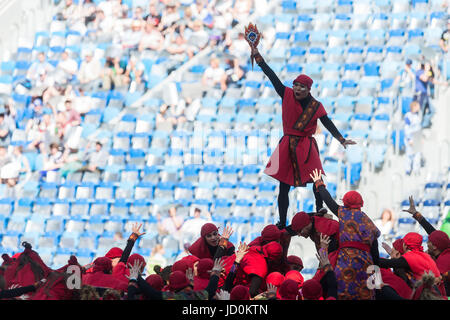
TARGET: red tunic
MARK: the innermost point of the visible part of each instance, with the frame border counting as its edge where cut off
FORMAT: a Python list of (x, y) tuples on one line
[(396, 283), (252, 263), (102, 280), (297, 154)]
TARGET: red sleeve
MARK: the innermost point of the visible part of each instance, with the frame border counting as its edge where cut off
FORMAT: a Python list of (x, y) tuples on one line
[(119, 272)]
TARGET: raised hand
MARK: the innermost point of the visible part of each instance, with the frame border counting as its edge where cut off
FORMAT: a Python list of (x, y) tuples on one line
[(323, 258), (227, 232), (135, 229), (241, 252), (217, 267), (223, 295), (347, 142), (135, 270), (412, 206), (316, 175), (271, 290), (387, 248), (324, 241), (190, 274)]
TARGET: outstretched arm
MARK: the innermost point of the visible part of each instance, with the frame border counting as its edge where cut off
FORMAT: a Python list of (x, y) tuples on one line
[(276, 82), (329, 125), (416, 215), (324, 194)]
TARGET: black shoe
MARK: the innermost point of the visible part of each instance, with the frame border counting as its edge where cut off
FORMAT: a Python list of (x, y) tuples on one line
[(322, 211), (280, 225)]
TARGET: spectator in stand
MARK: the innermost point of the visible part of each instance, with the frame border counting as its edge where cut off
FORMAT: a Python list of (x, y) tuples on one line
[(176, 45), (214, 75), (170, 15), (191, 228), (241, 9), (73, 117), (406, 79), (151, 39), (38, 68), (413, 131), (237, 47), (67, 66), (233, 73), (197, 39), (97, 159), (171, 225), (113, 74), (90, 73), (153, 17), (131, 38), (134, 75), (443, 42), (5, 129), (386, 222), (55, 159), (156, 258)]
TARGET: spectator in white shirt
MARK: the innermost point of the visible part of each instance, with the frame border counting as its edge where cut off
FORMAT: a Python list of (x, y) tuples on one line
[(214, 75), (96, 159), (90, 73), (191, 228), (151, 39), (39, 67), (413, 129), (67, 66)]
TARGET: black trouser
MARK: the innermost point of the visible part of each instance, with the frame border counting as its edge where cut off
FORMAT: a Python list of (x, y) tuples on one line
[(283, 201)]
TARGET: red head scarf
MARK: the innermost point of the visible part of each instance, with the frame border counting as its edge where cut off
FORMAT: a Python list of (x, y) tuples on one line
[(270, 233), (353, 200), (439, 239), (155, 281), (191, 259), (273, 250), (114, 253), (294, 260), (300, 220), (305, 80), (312, 290), (137, 257), (296, 276), (413, 241), (177, 281), (182, 265), (398, 245), (288, 290), (275, 278), (102, 264), (208, 228), (240, 292), (204, 265)]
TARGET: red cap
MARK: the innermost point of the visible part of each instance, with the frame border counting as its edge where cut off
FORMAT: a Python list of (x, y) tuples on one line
[(155, 281), (312, 290), (240, 292), (275, 278), (305, 80), (398, 245), (273, 250), (182, 265), (296, 276), (353, 200), (270, 233), (288, 290), (177, 281), (191, 259), (208, 228), (294, 260), (114, 253), (439, 239), (413, 241), (204, 265), (300, 220), (102, 264), (135, 257)]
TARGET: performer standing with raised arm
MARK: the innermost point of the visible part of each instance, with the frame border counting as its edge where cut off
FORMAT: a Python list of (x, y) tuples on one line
[(297, 154)]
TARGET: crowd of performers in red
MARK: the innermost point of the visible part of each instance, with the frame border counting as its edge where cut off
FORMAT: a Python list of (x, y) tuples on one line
[(350, 267)]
